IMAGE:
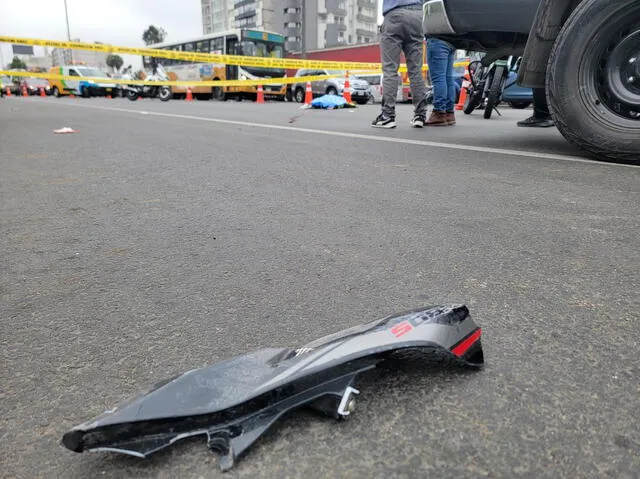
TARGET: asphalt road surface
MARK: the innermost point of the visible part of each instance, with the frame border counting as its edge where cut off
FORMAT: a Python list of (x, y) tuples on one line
[(167, 236)]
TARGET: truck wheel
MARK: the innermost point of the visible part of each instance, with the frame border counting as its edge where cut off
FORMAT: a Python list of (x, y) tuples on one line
[(299, 95), (593, 79)]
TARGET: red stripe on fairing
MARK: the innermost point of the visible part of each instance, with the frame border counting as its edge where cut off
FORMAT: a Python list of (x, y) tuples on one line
[(464, 346)]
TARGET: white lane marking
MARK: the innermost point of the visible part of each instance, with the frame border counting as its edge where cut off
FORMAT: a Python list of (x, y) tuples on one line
[(360, 136)]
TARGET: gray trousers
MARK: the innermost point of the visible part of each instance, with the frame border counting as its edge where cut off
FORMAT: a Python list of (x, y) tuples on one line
[(402, 32)]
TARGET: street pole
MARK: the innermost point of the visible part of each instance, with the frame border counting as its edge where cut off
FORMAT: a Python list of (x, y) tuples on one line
[(303, 29), (66, 15)]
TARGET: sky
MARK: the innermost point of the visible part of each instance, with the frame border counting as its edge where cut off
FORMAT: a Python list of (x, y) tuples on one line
[(118, 22)]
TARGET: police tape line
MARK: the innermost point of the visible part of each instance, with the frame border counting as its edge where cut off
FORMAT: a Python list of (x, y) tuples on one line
[(264, 62), (212, 83)]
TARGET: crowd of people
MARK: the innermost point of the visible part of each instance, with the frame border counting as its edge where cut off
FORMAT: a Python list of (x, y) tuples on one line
[(401, 32)]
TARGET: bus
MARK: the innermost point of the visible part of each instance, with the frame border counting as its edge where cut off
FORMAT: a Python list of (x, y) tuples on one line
[(240, 41)]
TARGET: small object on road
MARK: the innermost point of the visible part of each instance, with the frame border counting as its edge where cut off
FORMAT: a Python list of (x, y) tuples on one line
[(66, 129), (234, 402)]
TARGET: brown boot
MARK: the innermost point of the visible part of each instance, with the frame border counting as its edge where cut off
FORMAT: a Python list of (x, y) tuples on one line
[(451, 117), (438, 118)]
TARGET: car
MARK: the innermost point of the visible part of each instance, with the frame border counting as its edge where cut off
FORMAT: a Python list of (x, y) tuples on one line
[(360, 89), (81, 86), (33, 86), (583, 52), (375, 80), (516, 96), (12, 83)]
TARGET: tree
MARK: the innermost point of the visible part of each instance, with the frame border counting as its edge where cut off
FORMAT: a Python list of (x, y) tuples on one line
[(17, 64), (153, 35), (115, 62)]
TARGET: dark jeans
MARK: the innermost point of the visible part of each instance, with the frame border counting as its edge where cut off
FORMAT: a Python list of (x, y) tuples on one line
[(540, 107), (402, 32), (440, 57)]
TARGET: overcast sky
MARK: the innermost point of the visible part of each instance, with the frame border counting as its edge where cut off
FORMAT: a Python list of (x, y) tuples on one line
[(118, 22)]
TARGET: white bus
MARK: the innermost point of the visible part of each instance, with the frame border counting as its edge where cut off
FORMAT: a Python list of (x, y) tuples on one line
[(240, 41)]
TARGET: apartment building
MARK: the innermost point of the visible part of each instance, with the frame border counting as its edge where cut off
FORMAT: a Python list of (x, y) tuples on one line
[(328, 23)]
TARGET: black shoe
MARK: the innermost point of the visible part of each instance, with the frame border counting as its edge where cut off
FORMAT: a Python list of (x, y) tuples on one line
[(383, 122), (418, 121), (534, 122)]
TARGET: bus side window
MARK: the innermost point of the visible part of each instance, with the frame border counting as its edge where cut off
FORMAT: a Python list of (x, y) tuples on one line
[(202, 46), (217, 46)]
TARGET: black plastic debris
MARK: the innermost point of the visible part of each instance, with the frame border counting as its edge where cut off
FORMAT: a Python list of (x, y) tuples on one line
[(234, 402)]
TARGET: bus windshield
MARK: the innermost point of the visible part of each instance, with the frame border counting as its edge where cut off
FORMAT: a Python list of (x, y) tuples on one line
[(252, 48)]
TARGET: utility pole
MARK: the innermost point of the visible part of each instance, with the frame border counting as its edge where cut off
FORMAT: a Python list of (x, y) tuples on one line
[(66, 15), (303, 29)]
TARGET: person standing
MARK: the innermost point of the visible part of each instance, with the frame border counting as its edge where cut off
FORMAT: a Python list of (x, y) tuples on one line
[(440, 58), (402, 32), (541, 117)]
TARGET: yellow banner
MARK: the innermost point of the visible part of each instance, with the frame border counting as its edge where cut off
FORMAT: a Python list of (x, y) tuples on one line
[(269, 62), (213, 83)]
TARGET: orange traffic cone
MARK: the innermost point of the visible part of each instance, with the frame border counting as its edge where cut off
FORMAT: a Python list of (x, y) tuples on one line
[(347, 89), (308, 94), (463, 90), (24, 91), (260, 97), (42, 93), (9, 92), (189, 94)]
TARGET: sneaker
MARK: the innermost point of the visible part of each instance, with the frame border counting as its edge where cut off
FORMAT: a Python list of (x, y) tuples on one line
[(383, 122), (533, 122), (438, 118), (417, 121), (451, 117)]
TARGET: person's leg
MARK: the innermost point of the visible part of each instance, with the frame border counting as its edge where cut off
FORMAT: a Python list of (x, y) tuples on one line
[(541, 117), (414, 54), (390, 49), (437, 57), (451, 86)]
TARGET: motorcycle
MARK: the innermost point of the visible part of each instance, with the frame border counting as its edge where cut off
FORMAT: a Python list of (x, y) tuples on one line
[(487, 85), (133, 92)]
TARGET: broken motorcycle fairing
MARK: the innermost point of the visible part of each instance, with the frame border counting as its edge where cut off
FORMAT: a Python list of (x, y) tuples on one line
[(234, 402)]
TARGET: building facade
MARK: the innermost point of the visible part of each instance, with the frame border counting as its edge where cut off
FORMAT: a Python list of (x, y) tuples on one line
[(326, 23), (64, 56)]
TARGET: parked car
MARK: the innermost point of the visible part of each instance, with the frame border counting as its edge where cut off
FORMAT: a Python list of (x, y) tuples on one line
[(515, 95), (375, 81), (33, 86), (361, 90), (583, 52), (13, 83), (81, 86)]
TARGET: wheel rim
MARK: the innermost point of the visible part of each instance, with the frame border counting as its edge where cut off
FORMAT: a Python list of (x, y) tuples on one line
[(299, 97), (618, 74), (621, 76)]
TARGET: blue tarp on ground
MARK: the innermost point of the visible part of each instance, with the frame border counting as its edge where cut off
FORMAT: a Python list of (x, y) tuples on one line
[(330, 102)]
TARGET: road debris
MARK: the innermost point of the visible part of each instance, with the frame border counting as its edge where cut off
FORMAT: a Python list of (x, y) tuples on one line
[(64, 130), (234, 402)]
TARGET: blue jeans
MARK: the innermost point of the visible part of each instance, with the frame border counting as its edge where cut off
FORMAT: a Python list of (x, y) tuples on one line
[(440, 58)]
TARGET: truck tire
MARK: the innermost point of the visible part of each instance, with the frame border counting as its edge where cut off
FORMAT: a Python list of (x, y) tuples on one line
[(593, 79)]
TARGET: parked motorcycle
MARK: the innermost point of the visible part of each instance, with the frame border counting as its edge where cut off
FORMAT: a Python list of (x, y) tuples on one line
[(133, 92), (487, 85)]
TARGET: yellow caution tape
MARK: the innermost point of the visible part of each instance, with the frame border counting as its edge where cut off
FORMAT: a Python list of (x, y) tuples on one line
[(264, 62), (213, 83)]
